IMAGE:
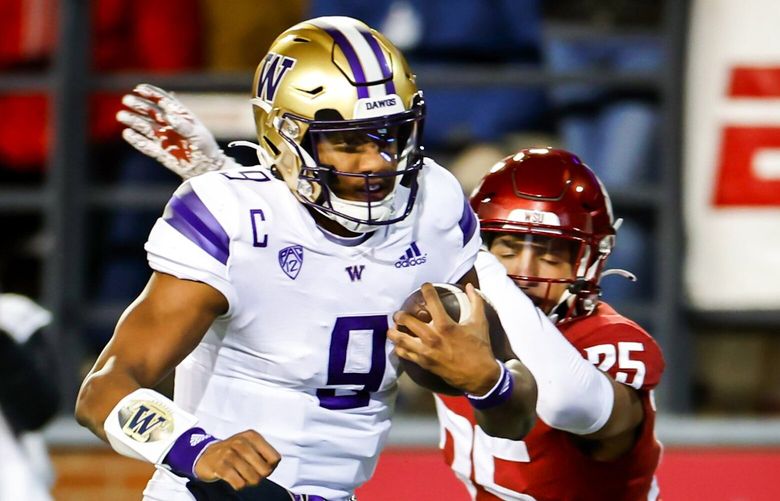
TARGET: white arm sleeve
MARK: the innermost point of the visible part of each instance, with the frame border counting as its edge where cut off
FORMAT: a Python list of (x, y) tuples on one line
[(574, 395)]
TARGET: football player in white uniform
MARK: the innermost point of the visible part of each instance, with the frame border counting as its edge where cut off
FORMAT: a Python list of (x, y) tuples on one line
[(273, 286)]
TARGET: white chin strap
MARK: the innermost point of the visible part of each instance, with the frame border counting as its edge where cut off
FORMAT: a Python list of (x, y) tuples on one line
[(380, 211), (262, 155)]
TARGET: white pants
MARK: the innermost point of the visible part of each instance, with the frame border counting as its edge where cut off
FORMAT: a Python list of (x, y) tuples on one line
[(165, 486)]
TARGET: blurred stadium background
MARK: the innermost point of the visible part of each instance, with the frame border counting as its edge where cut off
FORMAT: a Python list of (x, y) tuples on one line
[(674, 103)]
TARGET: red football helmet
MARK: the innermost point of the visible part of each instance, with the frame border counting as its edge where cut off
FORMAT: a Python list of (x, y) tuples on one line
[(551, 194)]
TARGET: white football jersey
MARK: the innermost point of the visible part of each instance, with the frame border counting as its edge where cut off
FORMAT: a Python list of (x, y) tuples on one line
[(302, 355), (19, 475)]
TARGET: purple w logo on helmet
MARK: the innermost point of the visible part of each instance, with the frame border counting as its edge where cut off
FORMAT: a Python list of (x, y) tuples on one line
[(274, 69)]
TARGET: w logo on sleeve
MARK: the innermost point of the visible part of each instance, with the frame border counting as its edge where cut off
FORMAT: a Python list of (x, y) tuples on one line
[(145, 421), (274, 69)]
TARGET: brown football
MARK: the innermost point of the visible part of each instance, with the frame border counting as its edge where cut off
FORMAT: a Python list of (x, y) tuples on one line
[(452, 296)]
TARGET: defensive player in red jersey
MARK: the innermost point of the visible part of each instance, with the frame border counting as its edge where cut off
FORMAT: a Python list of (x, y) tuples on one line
[(548, 220)]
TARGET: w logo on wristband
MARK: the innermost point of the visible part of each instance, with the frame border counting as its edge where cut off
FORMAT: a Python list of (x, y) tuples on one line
[(145, 421)]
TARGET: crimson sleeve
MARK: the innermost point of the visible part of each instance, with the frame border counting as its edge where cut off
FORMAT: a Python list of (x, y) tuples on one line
[(625, 352)]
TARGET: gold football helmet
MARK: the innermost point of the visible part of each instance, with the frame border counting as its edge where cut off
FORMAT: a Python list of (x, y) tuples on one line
[(335, 79)]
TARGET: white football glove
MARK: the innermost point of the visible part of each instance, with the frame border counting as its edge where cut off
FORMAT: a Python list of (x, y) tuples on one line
[(161, 127)]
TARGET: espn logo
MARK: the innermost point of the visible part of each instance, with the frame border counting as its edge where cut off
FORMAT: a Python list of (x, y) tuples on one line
[(412, 257)]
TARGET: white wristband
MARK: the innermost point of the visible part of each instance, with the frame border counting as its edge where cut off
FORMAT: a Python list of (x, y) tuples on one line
[(145, 424)]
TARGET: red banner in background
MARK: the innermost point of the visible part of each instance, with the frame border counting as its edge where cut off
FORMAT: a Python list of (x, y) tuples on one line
[(413, 474), (731, 150), (699, 474), (693, 474)]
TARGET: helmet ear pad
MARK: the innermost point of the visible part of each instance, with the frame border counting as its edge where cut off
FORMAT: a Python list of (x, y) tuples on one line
[(409, 179)]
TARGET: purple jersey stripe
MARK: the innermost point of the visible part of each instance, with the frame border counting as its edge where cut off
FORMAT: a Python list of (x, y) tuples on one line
[(187, 213), (468, 222), (352, 59), (308, 497), (380, 57)]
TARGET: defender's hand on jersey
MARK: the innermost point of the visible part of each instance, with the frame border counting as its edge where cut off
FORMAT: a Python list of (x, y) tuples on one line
[(241, 460), (161, 127), (458, 353)]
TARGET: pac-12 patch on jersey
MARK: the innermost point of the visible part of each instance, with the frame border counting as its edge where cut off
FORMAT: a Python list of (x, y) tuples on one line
[(291, 260)]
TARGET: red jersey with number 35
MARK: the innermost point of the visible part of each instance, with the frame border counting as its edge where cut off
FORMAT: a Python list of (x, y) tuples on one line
[(548, 465)]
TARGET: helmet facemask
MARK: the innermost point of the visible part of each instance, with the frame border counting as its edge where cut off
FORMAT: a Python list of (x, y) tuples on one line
[(584, 257), (539, 263), (359, 196)]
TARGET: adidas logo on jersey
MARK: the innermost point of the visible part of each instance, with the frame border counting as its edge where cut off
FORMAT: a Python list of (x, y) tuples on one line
[(412, 257)]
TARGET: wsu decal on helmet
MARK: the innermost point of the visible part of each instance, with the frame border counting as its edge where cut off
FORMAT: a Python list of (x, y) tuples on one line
[(274, 69)]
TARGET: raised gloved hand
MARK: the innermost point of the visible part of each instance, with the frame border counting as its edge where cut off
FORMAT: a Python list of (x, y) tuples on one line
[(160, 126)]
